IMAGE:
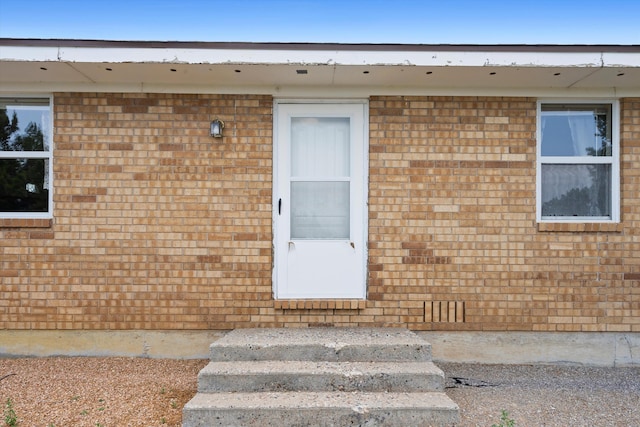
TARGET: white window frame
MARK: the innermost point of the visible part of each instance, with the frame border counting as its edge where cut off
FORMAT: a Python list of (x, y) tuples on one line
[(613, 160), (48, 155)]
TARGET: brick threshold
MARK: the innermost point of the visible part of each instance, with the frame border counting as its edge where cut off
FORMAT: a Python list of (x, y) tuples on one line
[(320, 304), (26, 222)]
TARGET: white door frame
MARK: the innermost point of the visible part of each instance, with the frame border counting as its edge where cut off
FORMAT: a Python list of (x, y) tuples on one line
[(365, 180)]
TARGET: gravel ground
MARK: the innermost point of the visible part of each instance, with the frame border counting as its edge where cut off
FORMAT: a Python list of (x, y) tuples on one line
[(97, 392), (111, 392), (543, 395)]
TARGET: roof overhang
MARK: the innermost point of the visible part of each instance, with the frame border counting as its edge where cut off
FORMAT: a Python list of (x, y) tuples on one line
[(290, 69)]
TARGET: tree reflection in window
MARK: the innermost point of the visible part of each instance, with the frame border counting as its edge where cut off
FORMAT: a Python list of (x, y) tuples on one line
[(22, 179)]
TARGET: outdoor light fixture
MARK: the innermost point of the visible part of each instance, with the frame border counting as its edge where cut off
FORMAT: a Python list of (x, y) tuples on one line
[(216, 128)]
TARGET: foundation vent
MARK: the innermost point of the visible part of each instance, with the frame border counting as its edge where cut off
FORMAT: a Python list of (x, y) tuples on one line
[(444, 312)]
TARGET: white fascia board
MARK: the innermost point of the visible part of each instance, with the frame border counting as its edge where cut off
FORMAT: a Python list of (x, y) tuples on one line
[(316, 91), (29, 54), (220, 56), (616, 59), (319, 57)]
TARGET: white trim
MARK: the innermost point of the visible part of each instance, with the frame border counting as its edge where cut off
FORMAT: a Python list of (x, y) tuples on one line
[(175, 55), (36, 155), (353, 92), (365, 176), (274, 197), (334, 70), (31, 155), (614, 160), (365, 198), (280, 101)]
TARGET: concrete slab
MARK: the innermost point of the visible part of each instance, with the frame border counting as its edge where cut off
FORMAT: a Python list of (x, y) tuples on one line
[(327, 344), (507, 347), (326, 409), (260, 376), (153, 344), (577, 348)]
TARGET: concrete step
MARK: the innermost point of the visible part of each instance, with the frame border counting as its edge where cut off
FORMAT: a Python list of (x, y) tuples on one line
[(321, 344), (248, 376), (320, 377), (328, 409)]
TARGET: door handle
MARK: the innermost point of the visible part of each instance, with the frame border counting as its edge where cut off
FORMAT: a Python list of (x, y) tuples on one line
[(279, 206)]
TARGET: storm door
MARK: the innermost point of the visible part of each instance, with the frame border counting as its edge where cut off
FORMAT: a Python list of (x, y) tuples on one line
[(319, 201)]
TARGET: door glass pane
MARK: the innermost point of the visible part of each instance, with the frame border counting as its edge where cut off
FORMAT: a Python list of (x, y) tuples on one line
[(320, 210), (320, 147), (576, 190)]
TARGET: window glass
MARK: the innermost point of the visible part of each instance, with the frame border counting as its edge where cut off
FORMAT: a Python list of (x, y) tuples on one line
[(576, 131), (23, 185), (25, 156), (576, 190)]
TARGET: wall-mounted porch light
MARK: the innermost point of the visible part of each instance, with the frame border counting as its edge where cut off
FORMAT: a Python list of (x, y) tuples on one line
[(216, 128)]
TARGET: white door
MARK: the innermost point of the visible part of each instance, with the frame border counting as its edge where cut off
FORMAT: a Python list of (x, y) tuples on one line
[(320, 200)]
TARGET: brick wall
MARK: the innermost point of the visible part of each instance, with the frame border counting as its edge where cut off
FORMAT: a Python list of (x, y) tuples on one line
[(459, 238), (159, 226), (156, 224)]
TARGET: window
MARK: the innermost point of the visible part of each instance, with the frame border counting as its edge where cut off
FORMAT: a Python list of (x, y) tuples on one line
[(577, 162), (25, 158)]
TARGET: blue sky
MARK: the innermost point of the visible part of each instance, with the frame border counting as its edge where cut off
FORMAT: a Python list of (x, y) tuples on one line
[(343, 21)]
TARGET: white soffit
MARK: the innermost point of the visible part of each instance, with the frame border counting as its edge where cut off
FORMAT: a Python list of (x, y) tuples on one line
[(207, 67)]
